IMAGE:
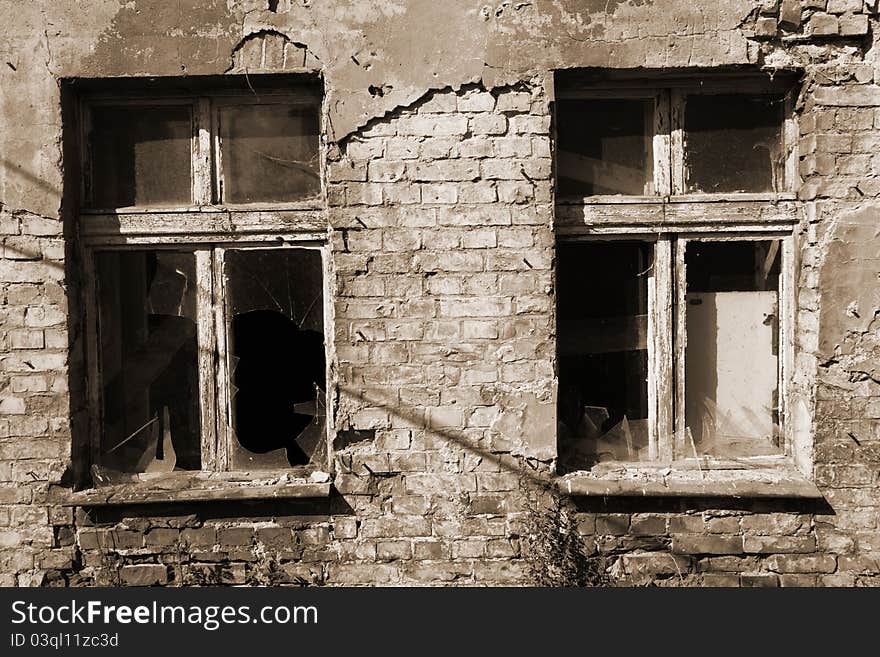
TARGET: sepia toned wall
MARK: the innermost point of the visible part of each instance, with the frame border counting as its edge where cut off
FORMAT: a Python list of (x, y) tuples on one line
[(441, 221)]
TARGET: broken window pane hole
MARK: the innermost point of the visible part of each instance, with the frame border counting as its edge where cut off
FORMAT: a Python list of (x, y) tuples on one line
[(149, 352), (276, 357), (603, 355)]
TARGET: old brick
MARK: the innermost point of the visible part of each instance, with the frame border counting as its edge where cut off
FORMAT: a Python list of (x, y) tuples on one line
[(696, 544), (430, 549), (648, 526), (350, 573), (766, 26), (779, 544), (204, 536), (396, 526), (391, 550), (476, 101), (235, 536), (797, 563), (848, 96), (759, 580), (843, 6), (612, 525), (648, 565), (144, 575), (823, 25)]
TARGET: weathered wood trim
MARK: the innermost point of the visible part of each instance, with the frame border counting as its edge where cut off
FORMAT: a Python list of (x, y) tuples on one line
[(683, 215), (748, 484), (662, 142), (679, 273), (677, 147), (206, 363), (209, 225), (93, 369), (222, 370), (662, 341), (201, 154), (196, 491), (787, 313)]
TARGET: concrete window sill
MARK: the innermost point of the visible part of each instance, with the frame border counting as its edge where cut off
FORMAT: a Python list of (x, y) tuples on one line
[(692, 478), (201, 487)]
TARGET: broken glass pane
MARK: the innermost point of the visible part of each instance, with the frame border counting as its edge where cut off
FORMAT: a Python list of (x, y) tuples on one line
[(603, 353), (149, 361), (270, 153), (733, 143), (276, 358), (605, 147), (731, 358), (141, 156)]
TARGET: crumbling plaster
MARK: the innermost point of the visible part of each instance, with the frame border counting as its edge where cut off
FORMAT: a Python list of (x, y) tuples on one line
[(374, 56)]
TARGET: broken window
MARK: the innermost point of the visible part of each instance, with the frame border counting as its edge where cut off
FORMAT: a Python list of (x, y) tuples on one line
[(671, 316), (140, 156), (148, 350), (269, 152), (733, 143), (207, 353), (276, 353), (605, 146), (732, 354), (603, 352)]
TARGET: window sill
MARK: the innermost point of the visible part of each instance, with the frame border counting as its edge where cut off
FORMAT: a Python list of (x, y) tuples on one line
[(201, 487), (692, 478), (309, 205), (623, 199)]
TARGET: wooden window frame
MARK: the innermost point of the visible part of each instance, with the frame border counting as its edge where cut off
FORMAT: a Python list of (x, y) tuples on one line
[(670, 220), (208, 228)]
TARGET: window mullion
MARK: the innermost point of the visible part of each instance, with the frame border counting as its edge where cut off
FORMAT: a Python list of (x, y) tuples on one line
[(206, 363), (201, 157), (94, 380), (662, 145), (224, 420), (676, 150), (680, 343), (790, 137), (787, 312), (661, 356)]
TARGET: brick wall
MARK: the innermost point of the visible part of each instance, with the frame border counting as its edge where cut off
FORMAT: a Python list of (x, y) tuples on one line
[(442, 236)]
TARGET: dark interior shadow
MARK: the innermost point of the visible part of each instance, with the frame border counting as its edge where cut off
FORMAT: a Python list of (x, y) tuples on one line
[(684, 504), (308, 510)]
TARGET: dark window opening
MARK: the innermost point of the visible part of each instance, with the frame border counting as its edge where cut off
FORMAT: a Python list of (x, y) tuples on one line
[(141, 156), (149, 360), (603, 356), (733, 143), (605, 147), (269, 153), (731, 358), (276, 355)]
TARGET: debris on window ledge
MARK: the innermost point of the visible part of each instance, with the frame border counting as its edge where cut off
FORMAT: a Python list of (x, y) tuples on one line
[(182, 486), (740, 478)]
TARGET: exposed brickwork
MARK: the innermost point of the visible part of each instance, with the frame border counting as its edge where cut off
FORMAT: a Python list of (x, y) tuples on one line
[(441, 224)]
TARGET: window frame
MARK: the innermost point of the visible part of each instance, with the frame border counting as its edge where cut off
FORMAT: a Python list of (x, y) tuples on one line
[(668, 137), (670, 220), (208, 228)]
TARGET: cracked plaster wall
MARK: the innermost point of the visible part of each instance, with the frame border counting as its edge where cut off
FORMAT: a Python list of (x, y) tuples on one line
[(381, 63), (403, 48)]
